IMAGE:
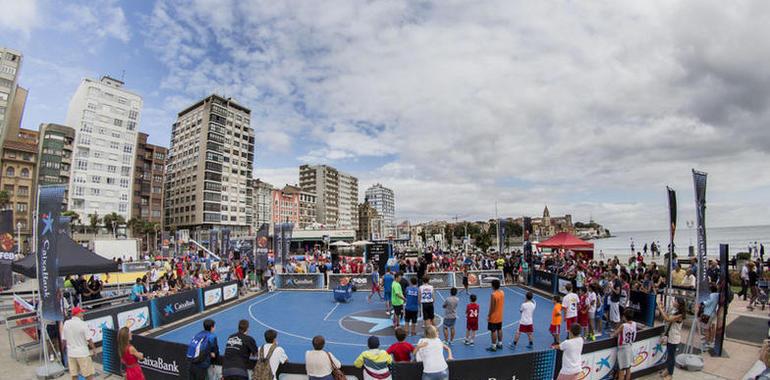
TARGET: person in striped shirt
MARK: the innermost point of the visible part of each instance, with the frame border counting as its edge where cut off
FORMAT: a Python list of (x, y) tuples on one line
[(375, 362)]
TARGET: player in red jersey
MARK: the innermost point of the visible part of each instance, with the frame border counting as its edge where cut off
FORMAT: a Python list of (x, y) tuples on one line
[(472, 320)]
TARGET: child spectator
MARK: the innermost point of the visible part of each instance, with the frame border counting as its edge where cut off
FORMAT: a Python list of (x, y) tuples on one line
[(571, 361), (526, 323), (583, 307), (376, 362), (626, 334), (471, 320), (450, 316), (556, 316), (570, 305), (401, 350)]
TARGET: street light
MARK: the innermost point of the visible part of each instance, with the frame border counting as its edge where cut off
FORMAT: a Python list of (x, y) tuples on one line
[(18, 236), (114, 230)]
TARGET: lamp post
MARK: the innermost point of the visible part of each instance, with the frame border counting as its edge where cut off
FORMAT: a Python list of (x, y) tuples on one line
[(114, 230), (18, 236)]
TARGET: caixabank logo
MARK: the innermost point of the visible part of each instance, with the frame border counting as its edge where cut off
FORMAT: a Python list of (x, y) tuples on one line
[(176, 307)]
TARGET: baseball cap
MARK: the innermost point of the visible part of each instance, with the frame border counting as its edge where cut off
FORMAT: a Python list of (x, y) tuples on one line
[(77, 310)]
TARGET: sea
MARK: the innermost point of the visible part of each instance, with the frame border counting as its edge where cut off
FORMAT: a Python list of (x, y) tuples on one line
[(737, 238)]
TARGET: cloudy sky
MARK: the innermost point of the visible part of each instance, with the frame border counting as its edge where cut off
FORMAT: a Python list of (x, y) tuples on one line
[(589, 107)]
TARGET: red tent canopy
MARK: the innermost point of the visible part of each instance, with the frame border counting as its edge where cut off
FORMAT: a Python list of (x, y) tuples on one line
[(565, 240)]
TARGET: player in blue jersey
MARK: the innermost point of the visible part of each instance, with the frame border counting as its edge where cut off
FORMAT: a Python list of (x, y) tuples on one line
[(387, 285)]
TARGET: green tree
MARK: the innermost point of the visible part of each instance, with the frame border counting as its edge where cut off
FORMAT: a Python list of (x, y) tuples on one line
[(5, 199), (113, 220), (94, 221)]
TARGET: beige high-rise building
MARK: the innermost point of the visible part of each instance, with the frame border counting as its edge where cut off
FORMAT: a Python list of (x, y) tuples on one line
[(209, 169), (336, 192), (263, 203), (10, 65)]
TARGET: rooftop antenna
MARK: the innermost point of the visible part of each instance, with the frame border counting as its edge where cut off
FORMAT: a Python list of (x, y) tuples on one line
[(123, 76)]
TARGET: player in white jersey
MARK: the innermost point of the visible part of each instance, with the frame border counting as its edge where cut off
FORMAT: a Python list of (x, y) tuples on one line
[(626, 334), (426, 300), (526, 322), (570, 305)]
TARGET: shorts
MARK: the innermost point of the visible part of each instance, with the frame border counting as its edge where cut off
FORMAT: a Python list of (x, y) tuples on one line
[(526, 329), (387, 296), (494, 326), (571, 321), (555, 329), (592, 316), (81, 366), (625, 356), (472, 324), (410, 316), (449, 322), (465, 281), (427, 311), (375, 288), (583, 321), (614, 312), (398, 310)]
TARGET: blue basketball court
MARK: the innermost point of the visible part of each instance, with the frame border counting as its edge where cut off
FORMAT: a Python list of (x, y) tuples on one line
[(297, 316)]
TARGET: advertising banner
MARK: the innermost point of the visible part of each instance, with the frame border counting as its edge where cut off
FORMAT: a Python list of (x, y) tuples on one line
[(502, 229), (162, 360), (699, 179), (174, 307), (225, 243), (214, 241), (649, 354), (439, 280), (96, 325), (136, 319), (562, 284), (478, 278), (361, 281), (543, 281), (140, 266), (278, 245), (212, 296), (644, 306), (672, 228), (286, 240), (530, 365), (299, 281), (49, 208), (230, 291), (719, 338), (8, 249), (261, 249)]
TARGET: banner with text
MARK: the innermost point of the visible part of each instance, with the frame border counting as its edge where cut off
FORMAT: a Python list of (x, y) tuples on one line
[(361, 281), (261, 249), (172, 308), (299, 281), (699, 179), (162, 360), (49, 208), (8, 249), (479, 278)]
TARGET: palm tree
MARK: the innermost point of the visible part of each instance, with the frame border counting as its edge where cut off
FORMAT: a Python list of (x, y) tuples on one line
[(74, 218), (94, 220), (113, 220)]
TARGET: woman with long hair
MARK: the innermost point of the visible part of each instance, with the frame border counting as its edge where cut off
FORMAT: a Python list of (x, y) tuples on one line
[(129, 356), (673, 335)]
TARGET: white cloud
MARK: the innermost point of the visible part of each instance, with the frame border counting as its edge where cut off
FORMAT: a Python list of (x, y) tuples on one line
[(94, 22), (278, 177), (19, 16), (572, 100)]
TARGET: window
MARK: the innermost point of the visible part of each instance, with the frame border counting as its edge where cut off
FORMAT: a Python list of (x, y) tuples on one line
[(84, 139), (114, 145), (133, 114), (95, 191), (81, 164), (10, 171), (21, 207), (96, 179), (112, 168), (124, 183), (128, 148), (122, 207), (8, 189), (110, 181), (118, 122)]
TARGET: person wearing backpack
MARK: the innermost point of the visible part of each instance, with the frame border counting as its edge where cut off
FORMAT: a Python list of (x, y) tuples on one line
[(202, 350), (269, 358), (239, 351)]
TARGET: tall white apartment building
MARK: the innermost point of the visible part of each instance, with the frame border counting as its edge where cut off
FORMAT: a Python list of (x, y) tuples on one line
[(209, 169), (336, 192), (383, 200), (105, 117), (10, 65)]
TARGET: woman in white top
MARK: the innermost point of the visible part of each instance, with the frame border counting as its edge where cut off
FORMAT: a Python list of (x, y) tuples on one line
[(318, 363), (673, 336), (571, 361), (429, 351)]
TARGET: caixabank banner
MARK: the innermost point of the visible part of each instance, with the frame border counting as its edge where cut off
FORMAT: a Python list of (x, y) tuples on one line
[(439, 280), (174, 307), (299, 281)]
